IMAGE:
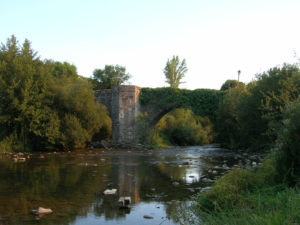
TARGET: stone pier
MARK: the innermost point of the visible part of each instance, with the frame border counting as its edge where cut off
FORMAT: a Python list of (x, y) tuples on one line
[(123, 105)]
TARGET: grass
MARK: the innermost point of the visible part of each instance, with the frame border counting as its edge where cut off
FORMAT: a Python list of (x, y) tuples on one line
[(249, 197), (268, 205)]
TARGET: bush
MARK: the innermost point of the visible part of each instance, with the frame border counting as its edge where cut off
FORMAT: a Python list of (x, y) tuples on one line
[(181, 127), (44, 104), (288, 152), (228, 191), (231, 84)]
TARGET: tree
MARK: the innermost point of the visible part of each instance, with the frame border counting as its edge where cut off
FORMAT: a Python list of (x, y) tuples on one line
[(230, 84), (175, 71), (63, 70), (110, 76), (287, 145), (43, 104)]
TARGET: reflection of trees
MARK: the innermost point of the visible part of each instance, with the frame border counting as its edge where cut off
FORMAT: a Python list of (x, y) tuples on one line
[(156, 185), (73, 185), (67, 189)]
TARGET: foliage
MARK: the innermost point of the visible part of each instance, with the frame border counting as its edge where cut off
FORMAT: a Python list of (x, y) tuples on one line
[(231, 84), (175, 71), (249, 197), (288, 154), (63, 70), (145, 132), (203, 102), (254, 115), (43, 104), (230, 190), (181, 127), (268, 205), (110, 76), (228, 124)]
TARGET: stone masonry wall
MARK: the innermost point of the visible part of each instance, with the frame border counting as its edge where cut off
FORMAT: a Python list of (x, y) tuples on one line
[(123, 105), (129, 109)]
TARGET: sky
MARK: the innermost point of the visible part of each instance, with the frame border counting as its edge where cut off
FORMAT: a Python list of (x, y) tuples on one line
[(215, 37)]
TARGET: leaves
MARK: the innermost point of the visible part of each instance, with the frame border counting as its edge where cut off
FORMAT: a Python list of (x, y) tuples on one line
[(110, 76), (45, 104), (175, 71)]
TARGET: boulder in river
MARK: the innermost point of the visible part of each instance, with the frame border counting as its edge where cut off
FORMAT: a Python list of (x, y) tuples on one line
[(124, 202), (41, 211), (110, 191)]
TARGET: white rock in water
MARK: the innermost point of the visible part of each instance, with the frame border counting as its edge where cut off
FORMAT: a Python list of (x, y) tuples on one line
[(124, 201), (110, 191), (41, 210)]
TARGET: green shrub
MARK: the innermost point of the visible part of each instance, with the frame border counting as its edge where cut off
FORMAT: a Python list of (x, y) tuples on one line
[(228, 191), (6, 145), (181, 127), (288, 152)]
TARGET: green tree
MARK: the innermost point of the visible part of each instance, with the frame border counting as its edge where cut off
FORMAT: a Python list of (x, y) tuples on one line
[(230, 84), (175, 71), (288, 154), (43, 103), (228, 124), (110, 76), (25, 113), (63, 70), (261, 110), (80, 116), (250, 118)]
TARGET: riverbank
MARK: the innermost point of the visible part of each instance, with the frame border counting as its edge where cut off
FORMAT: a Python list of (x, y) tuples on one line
[(249, 197)]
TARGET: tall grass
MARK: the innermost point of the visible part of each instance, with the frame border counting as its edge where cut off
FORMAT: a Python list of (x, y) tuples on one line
[(269, 205)]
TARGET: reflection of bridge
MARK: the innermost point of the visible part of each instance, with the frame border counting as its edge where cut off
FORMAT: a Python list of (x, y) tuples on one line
[(123, 105)]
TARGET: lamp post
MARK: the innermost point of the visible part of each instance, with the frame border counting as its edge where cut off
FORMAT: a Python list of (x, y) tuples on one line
[(239, 73)]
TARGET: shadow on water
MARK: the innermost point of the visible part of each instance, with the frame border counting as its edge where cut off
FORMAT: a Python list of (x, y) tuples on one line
[(72, 184)]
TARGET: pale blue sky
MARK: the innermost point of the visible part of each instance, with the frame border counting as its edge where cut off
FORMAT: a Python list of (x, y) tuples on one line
[(217, 38)]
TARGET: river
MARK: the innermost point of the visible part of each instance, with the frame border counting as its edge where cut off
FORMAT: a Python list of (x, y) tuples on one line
[(72, 184)]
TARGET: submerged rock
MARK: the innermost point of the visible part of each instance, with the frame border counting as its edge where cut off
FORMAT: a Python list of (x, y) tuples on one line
[(207, 180), (175, 183), (205, 189), (148, 217), (19, 159)]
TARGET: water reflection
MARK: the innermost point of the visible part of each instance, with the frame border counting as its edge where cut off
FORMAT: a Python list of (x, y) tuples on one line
[(72, 184)]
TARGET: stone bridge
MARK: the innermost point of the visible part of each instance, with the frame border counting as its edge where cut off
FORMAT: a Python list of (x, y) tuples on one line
[(124, 107)]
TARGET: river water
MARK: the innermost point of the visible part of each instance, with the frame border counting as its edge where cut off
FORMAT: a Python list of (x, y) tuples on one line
[(72, 184)]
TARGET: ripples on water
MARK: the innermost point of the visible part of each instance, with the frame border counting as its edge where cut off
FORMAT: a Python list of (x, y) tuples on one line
[(72, 184)]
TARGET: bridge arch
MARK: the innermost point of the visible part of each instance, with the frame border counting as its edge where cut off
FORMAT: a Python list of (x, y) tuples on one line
[(126, 102)]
